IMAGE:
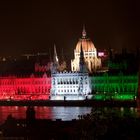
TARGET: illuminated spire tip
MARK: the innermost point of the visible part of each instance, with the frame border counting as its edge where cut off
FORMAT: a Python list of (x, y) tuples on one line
[(84, 34)]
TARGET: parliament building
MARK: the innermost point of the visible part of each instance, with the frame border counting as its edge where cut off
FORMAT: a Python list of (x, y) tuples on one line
[(72, 85), (93, 63)]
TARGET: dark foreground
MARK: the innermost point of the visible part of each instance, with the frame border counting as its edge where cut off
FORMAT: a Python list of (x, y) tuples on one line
[(94, 103), (99, 125)]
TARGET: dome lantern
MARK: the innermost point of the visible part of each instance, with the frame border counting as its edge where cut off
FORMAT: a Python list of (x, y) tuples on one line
[(84, 34)]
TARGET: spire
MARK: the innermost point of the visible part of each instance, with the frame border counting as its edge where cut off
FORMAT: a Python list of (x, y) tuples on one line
[(55, 57), (84, 34), (55, 65), (81, 54), (82, 66)]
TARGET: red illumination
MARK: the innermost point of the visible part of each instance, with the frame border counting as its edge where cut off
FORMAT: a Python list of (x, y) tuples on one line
[(25, 88), (19, 112), (42, 68)]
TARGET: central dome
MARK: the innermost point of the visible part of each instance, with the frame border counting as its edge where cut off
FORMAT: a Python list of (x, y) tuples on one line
[(89, 53), (87, 44)]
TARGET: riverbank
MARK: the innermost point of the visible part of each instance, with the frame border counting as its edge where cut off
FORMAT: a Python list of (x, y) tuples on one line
[(90, 103)]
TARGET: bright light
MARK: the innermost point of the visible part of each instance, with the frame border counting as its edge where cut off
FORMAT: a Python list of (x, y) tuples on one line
[(25, 88), (101, 54)]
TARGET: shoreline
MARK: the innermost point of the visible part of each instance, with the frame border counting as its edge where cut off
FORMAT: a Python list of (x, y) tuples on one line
[(84, 103)]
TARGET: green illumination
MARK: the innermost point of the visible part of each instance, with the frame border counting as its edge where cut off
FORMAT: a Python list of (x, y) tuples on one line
[(118, 87), (99, 97), (115, 97), (124, 97), (102, 97)]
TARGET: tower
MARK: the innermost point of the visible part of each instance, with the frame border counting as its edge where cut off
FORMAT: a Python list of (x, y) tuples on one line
[(55, 64), (84, 34), (92, 62), (82, 66)]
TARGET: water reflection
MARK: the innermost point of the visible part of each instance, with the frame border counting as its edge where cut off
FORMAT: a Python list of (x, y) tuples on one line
[(43, 112), (69, 113), (17, 112), (65, 113)]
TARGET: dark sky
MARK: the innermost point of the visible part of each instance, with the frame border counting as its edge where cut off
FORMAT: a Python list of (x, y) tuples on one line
[(34, 26)]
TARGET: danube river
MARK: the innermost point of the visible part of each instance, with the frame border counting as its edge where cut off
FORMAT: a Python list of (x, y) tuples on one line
[(44, 112), (64, 113)]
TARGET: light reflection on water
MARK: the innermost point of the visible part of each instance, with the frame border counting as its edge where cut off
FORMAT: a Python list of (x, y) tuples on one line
[(43, 112), (64, 113), (69, 113)]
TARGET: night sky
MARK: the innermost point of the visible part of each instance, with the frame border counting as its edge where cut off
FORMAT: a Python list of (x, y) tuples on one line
[(34, 26)]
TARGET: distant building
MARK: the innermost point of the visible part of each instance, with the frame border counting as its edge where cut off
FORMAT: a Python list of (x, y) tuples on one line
[(93, 63), (123, 62), (70, 85)]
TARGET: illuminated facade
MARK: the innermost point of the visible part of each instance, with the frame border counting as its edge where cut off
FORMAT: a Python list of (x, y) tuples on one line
[(32, 88), (118, 87), (74, 85), (70, 85), (93, 63)]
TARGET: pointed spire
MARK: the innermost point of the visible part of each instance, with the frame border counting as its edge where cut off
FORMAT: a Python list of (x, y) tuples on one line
[(55, 58), (82, 66), (84, 34), (81, 53), (55, 64)]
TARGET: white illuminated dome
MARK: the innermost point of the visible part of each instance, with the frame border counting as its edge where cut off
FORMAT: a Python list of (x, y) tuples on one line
[(87, 44), (90, 54)]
